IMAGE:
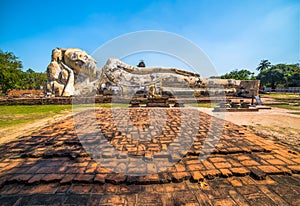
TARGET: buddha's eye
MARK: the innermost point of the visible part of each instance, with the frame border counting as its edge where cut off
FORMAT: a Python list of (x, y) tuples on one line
[(74, 56)]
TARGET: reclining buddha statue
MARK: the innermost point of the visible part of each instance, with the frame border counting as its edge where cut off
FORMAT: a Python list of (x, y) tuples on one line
[(72, 69)]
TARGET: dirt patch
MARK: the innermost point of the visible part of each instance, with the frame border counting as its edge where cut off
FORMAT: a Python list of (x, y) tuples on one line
[(277, 124)]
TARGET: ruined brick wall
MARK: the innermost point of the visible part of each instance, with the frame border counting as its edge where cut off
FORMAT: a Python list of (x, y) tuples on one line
[(26, 93)]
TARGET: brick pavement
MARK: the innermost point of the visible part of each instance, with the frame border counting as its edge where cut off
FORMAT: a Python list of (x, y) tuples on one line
[(54, 166)]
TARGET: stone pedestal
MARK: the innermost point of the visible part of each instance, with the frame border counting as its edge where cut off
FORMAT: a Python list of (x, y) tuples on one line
[(159, 102)]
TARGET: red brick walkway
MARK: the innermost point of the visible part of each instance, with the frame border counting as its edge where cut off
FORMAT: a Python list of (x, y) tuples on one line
[(51, 166)]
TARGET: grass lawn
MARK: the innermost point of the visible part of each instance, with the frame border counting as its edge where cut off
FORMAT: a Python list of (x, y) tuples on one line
[(284, 97), (205, 105), (281, 95), (289, 101), (288, 106), (21, 114)]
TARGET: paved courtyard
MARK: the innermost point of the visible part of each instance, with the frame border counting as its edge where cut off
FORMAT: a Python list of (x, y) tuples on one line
[(143, 156)]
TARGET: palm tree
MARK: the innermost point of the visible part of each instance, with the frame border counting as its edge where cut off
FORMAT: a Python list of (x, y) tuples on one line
[(264, 64)]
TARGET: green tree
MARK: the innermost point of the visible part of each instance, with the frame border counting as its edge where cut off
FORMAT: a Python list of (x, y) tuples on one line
[(242, 74), (264, 64), (33, 80), (12, 77), (291, 75), (280, 75), (271, 77), (40, 80), (10, 71)]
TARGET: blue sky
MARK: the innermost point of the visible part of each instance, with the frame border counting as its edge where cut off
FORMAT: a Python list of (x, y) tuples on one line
[(234, 34)]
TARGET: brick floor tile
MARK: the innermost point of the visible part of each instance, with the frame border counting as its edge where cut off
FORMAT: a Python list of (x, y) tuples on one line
[(180, 176), (22, 170), (282, 190), (235, 163), (191, 204), (295, 168), (287, 161), (218, 192), (239, 171), (295, 160), (94, 199), (224, 202), (249, 163), (91, 168), (276, 162), (180, 168), (270, 169), (247, 180), (210, 174), (195, 167), (42, 199), (273, 196), (196, 176), (248, 189), (125, 189), (267, 181), (35, 178), (192, 186), (219, 183), (84, 178), (20, 177), (80, 188), (233, 150), (9, 200), (266, 156), (259, 199), (68, 178), (202, 198), (184, 197), (76, 199), (100, 178), (137, 170), (75, 170), (257, 173), (63, 188), (11, 189), (4, 179), (292, 199), (79, 164), (284, 170), (235, 181), (175, 187), (113, 199), (49, 188), (149, 179), (115, 178), (158, 188), (113, 189), (287, 182), (208, 165), (47, 170), (165, 178), (222, 165), (97, 189), (151, 168), (52, 177), (225, 173), (217, 159), (238, 198)]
